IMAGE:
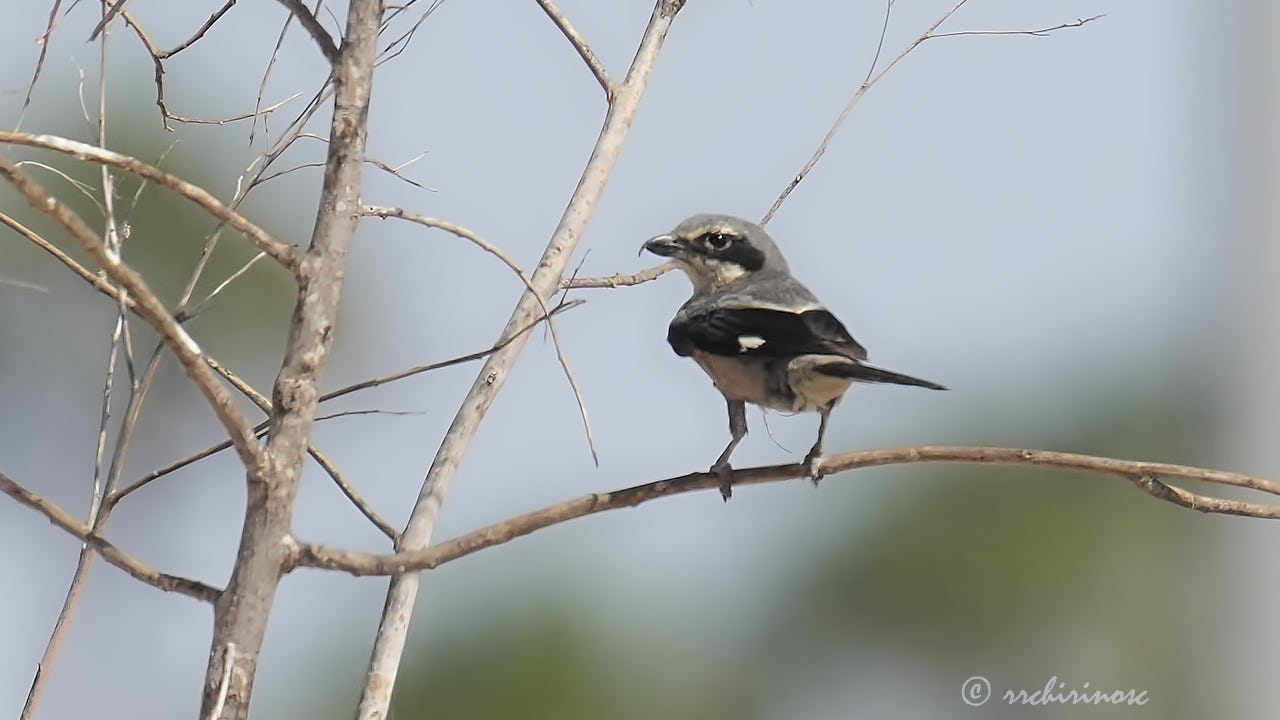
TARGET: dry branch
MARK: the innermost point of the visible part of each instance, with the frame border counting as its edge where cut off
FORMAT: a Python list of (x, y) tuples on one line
[(241, 613), (109, 552), (874, 77), (286, 255), (1145, 475), (619, 279), (389, 643)]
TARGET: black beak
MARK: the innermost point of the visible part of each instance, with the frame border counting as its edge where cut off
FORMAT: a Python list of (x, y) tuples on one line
[(664, 245)]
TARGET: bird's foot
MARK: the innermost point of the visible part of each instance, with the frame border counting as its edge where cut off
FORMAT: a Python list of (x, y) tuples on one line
[(812, 463), (725, 472)]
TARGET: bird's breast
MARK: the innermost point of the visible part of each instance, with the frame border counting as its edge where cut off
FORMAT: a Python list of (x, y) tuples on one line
[(745, 379)]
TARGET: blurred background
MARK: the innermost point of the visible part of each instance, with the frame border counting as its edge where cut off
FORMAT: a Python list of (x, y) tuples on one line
[(1072, 232)]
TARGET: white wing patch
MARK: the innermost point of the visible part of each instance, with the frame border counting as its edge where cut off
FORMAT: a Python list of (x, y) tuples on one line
[(750, 342)]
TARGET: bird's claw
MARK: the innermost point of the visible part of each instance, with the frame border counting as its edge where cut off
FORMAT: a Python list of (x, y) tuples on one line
[(725, 472), (812, 461)]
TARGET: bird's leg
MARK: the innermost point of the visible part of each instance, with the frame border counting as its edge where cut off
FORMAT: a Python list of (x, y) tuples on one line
[(815, 453), (737, 431)]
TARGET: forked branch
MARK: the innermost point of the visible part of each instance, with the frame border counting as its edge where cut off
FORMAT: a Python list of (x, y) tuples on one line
[(873, 77), (109, 552)]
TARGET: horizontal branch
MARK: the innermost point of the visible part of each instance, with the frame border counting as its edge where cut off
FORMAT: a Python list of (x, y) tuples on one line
[(286, 255), (618, 279), (108, 551), (1145, 475)]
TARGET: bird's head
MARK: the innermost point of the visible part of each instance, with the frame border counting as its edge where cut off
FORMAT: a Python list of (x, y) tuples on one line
[(718, 250)]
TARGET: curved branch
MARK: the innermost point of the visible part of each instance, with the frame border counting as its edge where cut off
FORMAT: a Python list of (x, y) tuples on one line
[(108, 551), (284, 254), (1145, 475), (579, 43)]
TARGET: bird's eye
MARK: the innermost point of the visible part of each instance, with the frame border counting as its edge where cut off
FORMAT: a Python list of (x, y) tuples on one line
[(717, 241)]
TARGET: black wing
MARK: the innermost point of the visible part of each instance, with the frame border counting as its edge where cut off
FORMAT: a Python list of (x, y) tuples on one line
[(755, 332)]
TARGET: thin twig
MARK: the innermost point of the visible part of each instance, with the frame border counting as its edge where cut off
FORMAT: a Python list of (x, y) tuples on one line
[(866, 85), (1040, 32), (286, 255), (396, 171), (464, 233), (43, 41), (469, 357), (1143, 474), (579, 43), (82, 187), (215, 17), (104, 547), (619, 279), (398, 45), (266, 74), (112, 245)]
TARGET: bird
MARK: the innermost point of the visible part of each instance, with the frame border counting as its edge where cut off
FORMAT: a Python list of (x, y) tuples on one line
[(760, 334)]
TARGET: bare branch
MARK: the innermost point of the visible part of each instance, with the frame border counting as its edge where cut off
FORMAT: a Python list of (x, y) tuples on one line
[(104, 547), (470, 357), (866, 85), (158, 57), (398, 45), (286, 255), (215, 17), (619, 279), (242, 619), (579, 43), (149, 306), (1142, 474), (393, 629), (1040, 32), (308, 20)]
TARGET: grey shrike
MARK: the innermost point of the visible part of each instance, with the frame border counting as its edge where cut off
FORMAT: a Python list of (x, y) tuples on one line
[(761, 335)]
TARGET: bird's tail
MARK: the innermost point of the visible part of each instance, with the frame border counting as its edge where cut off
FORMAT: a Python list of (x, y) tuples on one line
[(868, 373)]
